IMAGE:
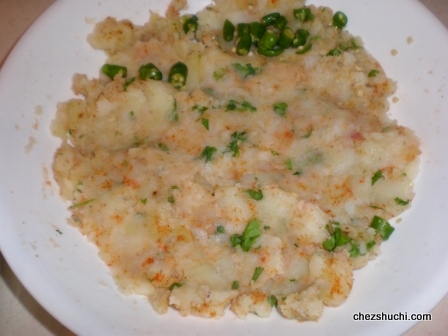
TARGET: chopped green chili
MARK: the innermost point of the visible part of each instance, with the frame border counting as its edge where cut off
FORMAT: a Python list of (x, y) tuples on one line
[(178, 75), (255, 194), (270, 52), (150, 71), (304, 49), (340, 20), (286, 38), (111, 70), (228, 30), (243, 43), (190, 24), (270, 19), (269, 40), (257, 30), (303, 14)]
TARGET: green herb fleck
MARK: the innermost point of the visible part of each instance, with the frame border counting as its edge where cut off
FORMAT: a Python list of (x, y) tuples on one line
[(207, 153), (235, 141), (257, 273), (370, 244), (220, 229), (308, 134), (143, 200), (288, 164), (235, 284), (373, 73), (399, 201), (249, 236), (162, 147), (233, 105), (246, 70), (205, 123), (201, 109), (378, 175), (255, 194), (218, 74), (280, 109), (272, 300), (171, 199), (337, 238)]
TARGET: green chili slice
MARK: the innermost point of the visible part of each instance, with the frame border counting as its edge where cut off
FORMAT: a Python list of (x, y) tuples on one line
[(300, 37), (303, 14), (257, 30), (191, 24), (271, 52), (304, 49), (270, 19), (243, 43), (340, 20), (150, 71), (111, 70), (269, 40), (228, 30), (178, 75), (286, 38), (243, 28)]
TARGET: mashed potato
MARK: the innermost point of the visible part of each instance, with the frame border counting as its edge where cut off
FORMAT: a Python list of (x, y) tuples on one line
[(260, 183)]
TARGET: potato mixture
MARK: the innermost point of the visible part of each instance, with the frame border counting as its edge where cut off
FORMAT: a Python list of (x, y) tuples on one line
[(240, 157)]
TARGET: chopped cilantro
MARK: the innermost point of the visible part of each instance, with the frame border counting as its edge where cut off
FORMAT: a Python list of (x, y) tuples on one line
[(162, 147), (80, 204), (288, 164), (201, 109), (246, 70), (233, 105), (143, 200), (257, 273), (207, 153), (220, 229), (280, 109), (205, 123), (399, 201), (249, 236), (337, 238), (235, 284), (235, 140), (218, 74), (378, 175), (373, 73), (272, 300), (255, 194)]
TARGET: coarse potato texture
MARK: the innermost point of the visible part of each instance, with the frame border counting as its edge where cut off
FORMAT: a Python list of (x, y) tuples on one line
[(212, 196)]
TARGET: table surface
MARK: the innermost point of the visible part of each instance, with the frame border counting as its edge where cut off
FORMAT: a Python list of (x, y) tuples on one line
[(20, 314)]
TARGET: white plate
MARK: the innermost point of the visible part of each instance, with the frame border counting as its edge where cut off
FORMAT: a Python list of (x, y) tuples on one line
[(62, 271)]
